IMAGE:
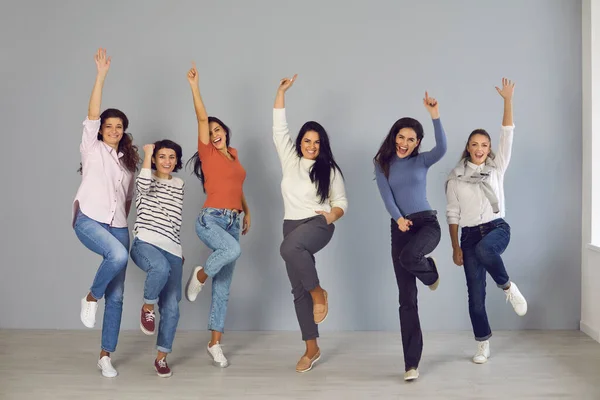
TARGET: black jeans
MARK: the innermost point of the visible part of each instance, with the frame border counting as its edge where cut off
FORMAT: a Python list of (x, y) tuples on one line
[(408, 255)]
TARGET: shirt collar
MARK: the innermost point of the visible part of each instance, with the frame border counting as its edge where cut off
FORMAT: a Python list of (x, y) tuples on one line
[(111, 150)]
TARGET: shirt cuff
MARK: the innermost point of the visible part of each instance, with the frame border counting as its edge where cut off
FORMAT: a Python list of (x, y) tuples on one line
[(452, 220)]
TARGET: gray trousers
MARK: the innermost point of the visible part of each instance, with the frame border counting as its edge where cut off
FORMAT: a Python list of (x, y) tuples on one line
[(301, 240)]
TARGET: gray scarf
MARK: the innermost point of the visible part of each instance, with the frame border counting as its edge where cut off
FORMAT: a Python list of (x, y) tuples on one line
[(478, 178)]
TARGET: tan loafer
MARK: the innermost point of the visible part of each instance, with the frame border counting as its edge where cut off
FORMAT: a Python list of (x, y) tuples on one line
[(411, 374), (305, 364), (320, 311)]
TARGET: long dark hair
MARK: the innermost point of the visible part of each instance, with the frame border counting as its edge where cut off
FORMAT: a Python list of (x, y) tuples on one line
[(195, 159), (466, 155), (130, 158), (320, 172), (168, 144), (386, 152)]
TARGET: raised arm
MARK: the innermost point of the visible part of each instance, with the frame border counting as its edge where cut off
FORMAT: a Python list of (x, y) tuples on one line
[(506, 136), (284, 85), (281, 133), (144, 179), (201, 115), (103, 65), (438, 151)]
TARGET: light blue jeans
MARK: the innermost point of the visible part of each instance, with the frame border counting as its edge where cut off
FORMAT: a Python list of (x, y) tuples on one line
[(219, 229), (162, 287), (113, 245)]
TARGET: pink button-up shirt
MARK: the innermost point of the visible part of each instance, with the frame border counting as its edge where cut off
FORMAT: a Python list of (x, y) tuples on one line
[(106, 184)]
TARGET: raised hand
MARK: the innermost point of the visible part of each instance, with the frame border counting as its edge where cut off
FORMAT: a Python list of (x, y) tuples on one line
[(286, 83), (431, 105), (192, 75), (102, 62), (508, 89), (149, 150)]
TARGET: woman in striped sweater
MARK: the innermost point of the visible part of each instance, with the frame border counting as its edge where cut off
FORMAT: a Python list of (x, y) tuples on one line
[(156, 247)]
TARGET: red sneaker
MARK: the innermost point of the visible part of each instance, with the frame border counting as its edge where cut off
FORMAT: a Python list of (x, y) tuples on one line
[(147, 322), (162, 369)]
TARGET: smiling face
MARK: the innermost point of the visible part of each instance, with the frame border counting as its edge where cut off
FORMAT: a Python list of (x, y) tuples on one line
[(112, 131), (310, 145), (406, 142), (165, 161), (479, 148), (218, 136)]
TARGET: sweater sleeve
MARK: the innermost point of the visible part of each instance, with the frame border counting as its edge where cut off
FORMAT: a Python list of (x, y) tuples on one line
[(143, 181), (452, 204), (281, 136), (386, 193), (438, 151), (337, 193)]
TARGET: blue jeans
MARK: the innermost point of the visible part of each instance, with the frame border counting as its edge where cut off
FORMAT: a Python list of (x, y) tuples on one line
[(112, 244), (162, 287), (219, 229), (482, 246)]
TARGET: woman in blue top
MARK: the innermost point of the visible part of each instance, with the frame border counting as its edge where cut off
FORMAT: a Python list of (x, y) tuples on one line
[(401, 172)]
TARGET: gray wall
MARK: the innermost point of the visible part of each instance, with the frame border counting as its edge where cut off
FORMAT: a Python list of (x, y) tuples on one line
[(360, 68)]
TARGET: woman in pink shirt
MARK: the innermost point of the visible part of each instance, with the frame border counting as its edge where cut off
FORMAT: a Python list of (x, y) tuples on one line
[(108, 162)]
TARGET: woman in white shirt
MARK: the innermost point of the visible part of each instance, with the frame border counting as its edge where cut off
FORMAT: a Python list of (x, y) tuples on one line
[(314, 198), (475, 195)]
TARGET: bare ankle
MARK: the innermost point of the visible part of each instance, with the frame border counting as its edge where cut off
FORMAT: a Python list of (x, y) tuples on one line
[(90, 297), (201, 276), (148, 307)]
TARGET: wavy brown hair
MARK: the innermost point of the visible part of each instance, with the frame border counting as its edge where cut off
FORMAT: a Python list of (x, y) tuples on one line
[(387, 151), (131, 158)]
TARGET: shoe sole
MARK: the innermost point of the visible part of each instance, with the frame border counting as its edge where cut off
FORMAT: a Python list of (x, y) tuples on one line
[(216, 363), (411, 378), (163, 375), (146, 331), (106, 375), (480, 362), (93, 324), (187, 285), (310, 366), (326, 315), (435, 284)]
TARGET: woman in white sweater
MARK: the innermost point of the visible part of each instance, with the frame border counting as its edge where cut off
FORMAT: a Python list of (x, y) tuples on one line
[(475, 194), (314, 198)]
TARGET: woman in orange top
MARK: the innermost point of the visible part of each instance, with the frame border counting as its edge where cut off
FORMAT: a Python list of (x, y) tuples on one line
[(218, 225)]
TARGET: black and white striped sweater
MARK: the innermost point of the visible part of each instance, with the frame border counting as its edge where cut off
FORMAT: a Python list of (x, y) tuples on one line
[(159, 205)]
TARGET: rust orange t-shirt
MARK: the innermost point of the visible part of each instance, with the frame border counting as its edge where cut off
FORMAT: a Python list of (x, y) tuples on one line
[(223, 178)]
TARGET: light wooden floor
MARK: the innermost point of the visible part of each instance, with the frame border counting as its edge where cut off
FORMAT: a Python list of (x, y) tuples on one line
[(355, 365)]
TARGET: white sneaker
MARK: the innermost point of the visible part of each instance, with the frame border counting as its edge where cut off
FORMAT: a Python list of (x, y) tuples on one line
[(483, 352), (516, 299), (107, 369), (216, 352), (88, 312), (411, 374), (194, 286)]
